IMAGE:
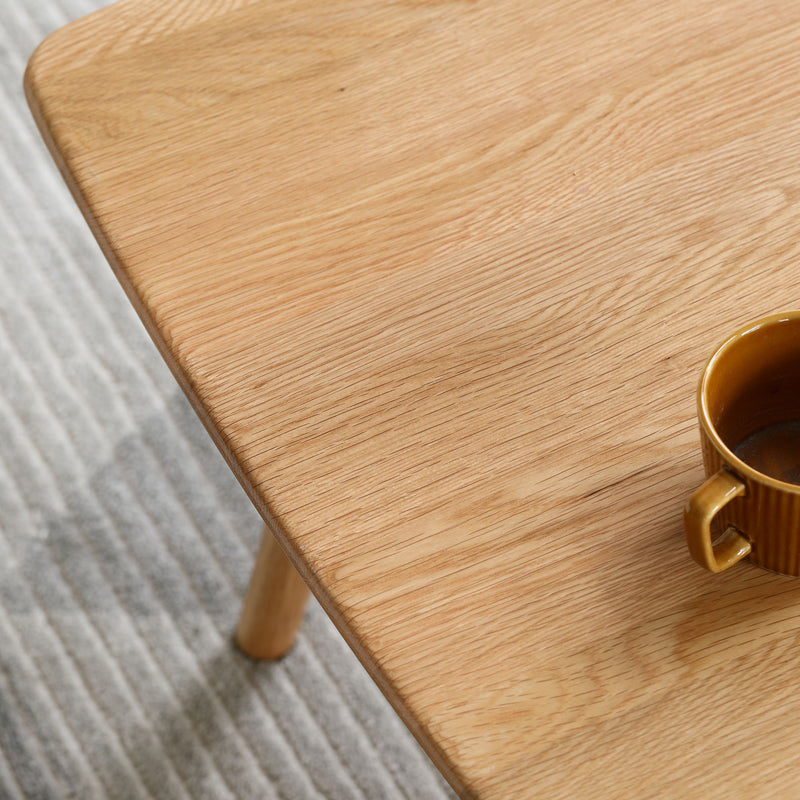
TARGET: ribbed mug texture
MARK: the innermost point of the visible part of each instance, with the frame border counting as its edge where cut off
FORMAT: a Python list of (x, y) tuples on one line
[(768, 516)]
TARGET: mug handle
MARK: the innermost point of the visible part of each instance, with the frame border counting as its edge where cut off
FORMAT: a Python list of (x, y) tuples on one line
[(702, 507)]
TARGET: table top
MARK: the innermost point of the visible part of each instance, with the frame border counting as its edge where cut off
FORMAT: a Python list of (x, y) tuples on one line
[(440, 278)]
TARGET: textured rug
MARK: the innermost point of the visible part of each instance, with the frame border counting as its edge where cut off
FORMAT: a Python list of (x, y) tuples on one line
[(126, 545)]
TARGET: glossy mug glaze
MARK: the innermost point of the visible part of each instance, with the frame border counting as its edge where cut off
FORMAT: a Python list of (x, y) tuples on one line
[(749, 408)]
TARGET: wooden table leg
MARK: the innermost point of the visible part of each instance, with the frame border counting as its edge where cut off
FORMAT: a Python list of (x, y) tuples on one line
[(274, 604)]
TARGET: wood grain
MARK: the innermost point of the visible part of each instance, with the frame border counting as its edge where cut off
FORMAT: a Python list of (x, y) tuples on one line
[(440, 279)]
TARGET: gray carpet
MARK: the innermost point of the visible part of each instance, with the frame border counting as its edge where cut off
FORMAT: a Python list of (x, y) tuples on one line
[(126, 545)]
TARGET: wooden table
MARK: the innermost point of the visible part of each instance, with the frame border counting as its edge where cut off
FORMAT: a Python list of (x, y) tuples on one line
[(440, 279)]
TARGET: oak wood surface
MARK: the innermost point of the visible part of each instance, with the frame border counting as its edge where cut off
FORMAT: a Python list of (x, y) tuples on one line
[(440, 279)]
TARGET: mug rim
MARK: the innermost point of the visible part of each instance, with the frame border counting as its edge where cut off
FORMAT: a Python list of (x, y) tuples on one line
[(728, 455)]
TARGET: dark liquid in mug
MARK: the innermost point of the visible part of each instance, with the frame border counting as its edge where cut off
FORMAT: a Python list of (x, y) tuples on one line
[(774, 450)]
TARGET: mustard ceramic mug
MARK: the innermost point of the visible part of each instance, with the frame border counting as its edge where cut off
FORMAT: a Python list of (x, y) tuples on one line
[(749, 408)]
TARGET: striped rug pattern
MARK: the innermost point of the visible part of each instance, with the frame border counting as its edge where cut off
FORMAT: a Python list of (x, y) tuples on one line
[(126, 545)]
